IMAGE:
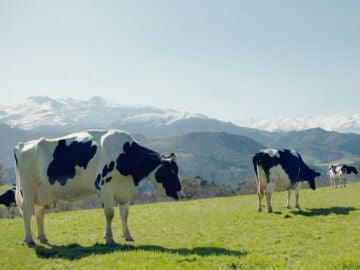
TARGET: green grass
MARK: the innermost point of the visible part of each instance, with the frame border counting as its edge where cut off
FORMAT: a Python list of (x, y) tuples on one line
[(219, 233)]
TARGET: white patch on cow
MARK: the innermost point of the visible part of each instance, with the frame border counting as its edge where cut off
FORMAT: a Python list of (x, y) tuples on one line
[(294, 153), (158, 186), (271, 152)]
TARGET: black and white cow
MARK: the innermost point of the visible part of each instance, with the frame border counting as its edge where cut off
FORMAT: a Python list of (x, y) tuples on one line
[(8, 199), (279, 170), (109, 163), (340, 172)]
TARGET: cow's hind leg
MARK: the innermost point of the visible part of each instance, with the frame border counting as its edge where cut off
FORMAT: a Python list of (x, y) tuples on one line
[(107, 200), (261, 187), (27, 210), (269, 190), (40, 213), (268, 200), (124, 211), (260, 206), (297, 205), (109, 215)]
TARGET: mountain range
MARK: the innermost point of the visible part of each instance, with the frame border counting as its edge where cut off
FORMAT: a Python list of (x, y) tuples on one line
[(42, 112), (212, 149), (336, 122)]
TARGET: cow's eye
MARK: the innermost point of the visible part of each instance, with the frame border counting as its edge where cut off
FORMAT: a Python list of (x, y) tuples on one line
[(173, 171)]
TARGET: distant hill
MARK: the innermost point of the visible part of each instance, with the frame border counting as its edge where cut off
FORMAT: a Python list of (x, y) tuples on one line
[(321, 146), (219, 156)]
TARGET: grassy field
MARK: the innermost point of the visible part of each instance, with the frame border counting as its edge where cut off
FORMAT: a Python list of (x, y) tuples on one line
[(220, 233)]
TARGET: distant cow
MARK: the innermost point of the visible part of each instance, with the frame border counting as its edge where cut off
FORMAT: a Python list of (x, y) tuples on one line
[(8, 199), (340, 172), (109, 163), (279, 170)]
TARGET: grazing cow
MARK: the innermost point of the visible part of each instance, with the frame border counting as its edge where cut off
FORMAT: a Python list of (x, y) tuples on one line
[(109, 163), (8, 199), (278, 170), (340, 172)]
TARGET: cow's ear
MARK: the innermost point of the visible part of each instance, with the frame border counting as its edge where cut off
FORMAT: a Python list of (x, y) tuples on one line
[(173, 157)]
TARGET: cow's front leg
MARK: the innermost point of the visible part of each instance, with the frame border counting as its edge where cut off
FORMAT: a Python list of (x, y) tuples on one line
[(288, 196), (342, 181), (124, 212), (297, 190), (40, 213), (9, 212)]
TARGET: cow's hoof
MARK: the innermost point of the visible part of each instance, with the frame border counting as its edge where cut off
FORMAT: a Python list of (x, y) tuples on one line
[(109, 242), (130, 239), (43, 240), (30, 243)]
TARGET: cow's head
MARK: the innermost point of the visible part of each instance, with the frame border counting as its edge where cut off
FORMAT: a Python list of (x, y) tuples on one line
[(166, 175), (354, 170), (311, 178)]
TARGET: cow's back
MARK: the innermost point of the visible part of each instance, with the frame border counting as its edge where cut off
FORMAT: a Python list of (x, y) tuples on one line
[(112, 143)]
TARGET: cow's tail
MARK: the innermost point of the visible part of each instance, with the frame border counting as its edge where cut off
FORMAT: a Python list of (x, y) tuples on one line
[(259, 177), (18, 194)]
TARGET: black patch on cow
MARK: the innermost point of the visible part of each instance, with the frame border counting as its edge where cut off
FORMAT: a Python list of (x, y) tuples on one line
[(108, 169), (137, 161), (8, 197), (349, 169), (292, 164), (97, 181), (66, 157), (100, 178)]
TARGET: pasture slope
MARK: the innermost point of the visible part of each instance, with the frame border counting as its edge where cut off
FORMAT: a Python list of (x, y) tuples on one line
[(218, 233)]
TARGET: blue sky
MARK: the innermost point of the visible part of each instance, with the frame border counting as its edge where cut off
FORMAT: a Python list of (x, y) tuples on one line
[(226, 59)]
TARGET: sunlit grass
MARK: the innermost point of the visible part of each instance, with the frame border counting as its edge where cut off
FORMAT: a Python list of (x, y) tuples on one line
[(219, 233)]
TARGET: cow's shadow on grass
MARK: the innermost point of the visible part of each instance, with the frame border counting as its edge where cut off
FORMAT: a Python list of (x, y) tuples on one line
[(76, 251), (335, 210)]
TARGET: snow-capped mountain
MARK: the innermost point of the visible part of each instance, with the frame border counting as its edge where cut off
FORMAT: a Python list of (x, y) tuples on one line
[(38, 112), (337, 122), (44, 113)]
